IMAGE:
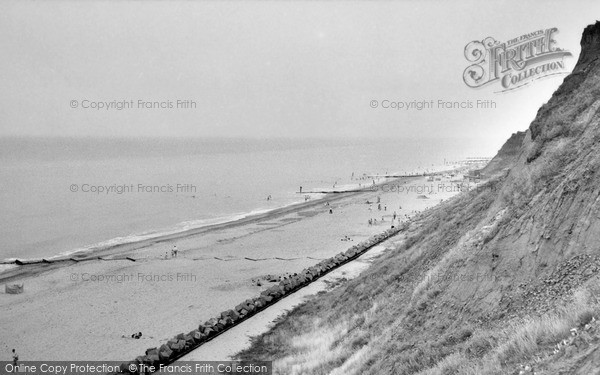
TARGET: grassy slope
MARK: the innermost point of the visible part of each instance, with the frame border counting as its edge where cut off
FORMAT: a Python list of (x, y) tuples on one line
[(484, 284)]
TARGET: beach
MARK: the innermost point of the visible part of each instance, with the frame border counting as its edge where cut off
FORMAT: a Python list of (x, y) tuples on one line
[(89, 310)]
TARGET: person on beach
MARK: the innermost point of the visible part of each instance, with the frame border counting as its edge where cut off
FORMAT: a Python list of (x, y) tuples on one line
[(394, 215), (15, 358), (174, 251), (301, 189), (330, 211)]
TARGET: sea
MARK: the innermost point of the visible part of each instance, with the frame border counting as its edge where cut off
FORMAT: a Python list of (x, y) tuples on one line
[(59, 196)]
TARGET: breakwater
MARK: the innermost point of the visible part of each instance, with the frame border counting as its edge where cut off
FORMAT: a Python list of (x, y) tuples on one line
[(184, 343)]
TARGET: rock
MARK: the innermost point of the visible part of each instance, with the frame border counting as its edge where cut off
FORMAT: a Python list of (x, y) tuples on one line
[(189, 340), (164, 353), (197, 336), (209, 331), (213, 321)]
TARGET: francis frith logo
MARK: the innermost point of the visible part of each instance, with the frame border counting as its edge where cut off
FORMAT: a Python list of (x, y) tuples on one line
[(516, 62)]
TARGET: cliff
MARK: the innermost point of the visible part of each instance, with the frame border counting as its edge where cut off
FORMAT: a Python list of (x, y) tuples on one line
[(501, 280), (506, 157)]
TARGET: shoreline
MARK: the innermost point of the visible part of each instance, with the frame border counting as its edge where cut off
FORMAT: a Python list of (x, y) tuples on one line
[(92, 252), (35, 266)]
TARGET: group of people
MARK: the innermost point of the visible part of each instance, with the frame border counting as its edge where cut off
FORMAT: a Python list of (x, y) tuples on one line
[(174, 252), (373, 221)]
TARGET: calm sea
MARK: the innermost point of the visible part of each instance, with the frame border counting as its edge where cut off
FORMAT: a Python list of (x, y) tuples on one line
[(62, 195)]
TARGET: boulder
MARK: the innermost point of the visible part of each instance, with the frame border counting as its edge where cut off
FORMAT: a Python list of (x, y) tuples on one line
[(153, 359), (197, 336), (178, 346), (209, 331), (234, 315), (189, 340), (165, 353)]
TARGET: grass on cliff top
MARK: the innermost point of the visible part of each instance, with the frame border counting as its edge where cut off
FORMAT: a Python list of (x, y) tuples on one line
[(530, 341)]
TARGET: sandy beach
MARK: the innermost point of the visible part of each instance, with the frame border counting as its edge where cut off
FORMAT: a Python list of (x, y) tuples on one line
[(88, 310)]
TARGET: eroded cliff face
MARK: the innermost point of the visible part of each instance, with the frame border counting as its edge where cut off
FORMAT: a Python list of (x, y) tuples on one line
[(452, 296), (550, 196), (590, 47), (506, 157), (541, 236)]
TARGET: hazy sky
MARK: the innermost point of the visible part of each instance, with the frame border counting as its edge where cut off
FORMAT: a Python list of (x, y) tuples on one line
[(266, 69)]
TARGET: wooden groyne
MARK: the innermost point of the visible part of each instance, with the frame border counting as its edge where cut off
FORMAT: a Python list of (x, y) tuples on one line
[(185, 343), (27, 262)]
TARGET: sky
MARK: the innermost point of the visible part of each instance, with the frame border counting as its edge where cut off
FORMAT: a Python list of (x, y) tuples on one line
[(266, 69)]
